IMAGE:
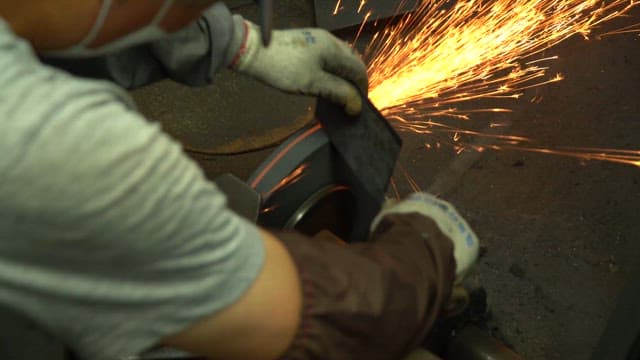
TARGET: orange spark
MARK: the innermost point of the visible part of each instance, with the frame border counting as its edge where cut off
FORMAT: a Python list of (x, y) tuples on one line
[(269, 209), (394, 187), (410, 180), (290, 179), (337, 8), (362, 2), (364, 22), (628, 157)]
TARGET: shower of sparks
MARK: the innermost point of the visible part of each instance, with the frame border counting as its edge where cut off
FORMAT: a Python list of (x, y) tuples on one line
[(434, 61)]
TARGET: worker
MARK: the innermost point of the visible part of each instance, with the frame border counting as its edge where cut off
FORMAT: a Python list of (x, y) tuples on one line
[(114, 242)]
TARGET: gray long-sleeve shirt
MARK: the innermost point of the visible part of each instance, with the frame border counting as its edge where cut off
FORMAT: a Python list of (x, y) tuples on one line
[(190, 56), (110, 237)]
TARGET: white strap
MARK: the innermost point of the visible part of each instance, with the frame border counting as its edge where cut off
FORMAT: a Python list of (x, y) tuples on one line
[(104, 12), (99, 23), (163, 11)]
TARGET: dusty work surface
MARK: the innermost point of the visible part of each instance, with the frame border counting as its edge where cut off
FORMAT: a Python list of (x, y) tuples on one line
[(561, 235)]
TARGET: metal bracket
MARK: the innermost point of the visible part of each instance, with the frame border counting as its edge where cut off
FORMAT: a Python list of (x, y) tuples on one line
[(340, 14)]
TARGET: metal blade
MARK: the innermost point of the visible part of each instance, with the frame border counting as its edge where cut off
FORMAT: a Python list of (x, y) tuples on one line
[(368, 143), (241, 198)]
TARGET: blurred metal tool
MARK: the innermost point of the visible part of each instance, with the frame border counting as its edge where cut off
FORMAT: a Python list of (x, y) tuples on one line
[(266, 20), (333, 15), (241, 198)]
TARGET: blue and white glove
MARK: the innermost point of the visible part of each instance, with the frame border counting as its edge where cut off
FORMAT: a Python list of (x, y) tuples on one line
[(304, 61), (449, 221)]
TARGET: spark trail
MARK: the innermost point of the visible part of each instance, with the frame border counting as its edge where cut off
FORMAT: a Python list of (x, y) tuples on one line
[(437, 60)]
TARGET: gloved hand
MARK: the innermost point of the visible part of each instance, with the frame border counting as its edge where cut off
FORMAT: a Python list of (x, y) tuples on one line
[(449, 221), (306, 61)]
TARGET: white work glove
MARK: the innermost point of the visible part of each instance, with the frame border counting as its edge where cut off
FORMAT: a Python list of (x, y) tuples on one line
[(448, 220), (305, 61)]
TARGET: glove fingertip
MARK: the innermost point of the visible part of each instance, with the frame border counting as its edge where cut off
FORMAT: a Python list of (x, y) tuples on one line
[(353, 107)]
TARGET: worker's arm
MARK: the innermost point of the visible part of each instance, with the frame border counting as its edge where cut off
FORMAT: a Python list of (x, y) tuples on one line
[(190, 56), (115, 242), (302, 61), (262, 324), (374, 300)]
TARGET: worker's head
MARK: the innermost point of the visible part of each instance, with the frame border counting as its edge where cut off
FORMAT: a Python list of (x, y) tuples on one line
[(80, 27)]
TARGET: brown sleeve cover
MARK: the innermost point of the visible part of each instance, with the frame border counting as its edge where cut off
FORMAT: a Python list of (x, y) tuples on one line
[(373, 300)]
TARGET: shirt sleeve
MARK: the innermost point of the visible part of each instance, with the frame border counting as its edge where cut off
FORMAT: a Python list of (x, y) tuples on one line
[(110, 237), (190, 56)]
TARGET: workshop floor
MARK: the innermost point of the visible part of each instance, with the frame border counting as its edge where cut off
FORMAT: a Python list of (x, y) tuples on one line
[(561, 235)]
